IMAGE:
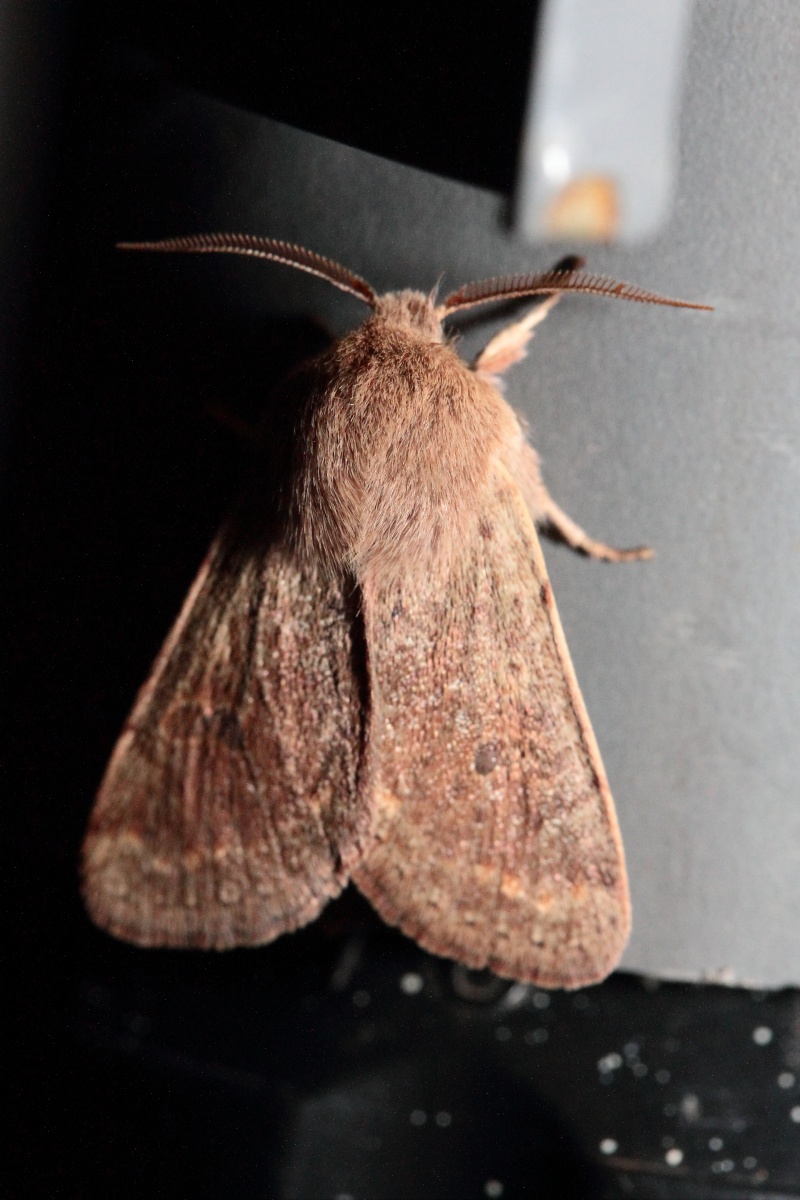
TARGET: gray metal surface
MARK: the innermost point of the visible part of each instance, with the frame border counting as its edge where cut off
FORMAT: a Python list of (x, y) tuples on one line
[(674, 428), (599, 151)]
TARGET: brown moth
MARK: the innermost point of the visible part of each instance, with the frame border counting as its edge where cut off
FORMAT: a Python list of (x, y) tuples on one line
[(370, 682)]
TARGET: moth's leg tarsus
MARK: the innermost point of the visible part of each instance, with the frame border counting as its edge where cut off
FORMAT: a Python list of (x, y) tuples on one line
[(569, 531)]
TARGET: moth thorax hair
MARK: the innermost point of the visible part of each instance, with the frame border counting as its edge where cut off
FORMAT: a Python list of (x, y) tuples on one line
[(396, 448), (412, 311)]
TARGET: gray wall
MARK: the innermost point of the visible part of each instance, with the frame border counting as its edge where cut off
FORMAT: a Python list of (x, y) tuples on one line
[(673, 428)]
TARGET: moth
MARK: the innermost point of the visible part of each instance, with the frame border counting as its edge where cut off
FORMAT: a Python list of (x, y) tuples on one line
[(369, 680)]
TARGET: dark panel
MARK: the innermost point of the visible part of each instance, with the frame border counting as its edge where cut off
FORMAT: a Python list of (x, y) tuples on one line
[(428, 85)]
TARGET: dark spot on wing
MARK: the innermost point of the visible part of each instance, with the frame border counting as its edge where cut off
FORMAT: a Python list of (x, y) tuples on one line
[(486, 758), (228, 728)]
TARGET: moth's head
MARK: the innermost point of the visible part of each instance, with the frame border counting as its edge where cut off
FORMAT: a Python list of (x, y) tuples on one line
[(412, 311)]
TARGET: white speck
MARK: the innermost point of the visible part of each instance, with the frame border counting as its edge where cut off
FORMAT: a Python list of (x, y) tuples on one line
[(723, 1166), (715, 1143), (690, 1107), (418, 1117), (673, 1157), (515, 995), (670, 1110), (794, 1114), (541, 1000), (663, 1075), (631, 1049), (667, 1141), (443, 1119), (749, 1163), (361, 998), (535, 1037), (786, 1079), (609, 1146), (493, 1188), (344, 1196), (762, 1035), (556, 166), (503, 1033), (609, 1062), (411, 983), (639, 1069), (580, 1001)]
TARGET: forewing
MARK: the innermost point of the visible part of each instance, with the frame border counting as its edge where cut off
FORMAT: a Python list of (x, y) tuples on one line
[(229, 813), (498, 843)]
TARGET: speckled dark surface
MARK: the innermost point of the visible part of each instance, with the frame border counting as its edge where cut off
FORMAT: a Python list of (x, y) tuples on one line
[(345, 1062)]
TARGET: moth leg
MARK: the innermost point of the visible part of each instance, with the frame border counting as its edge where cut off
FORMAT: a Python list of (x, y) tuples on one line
[(510, 345), (545, 511), (579, 540)]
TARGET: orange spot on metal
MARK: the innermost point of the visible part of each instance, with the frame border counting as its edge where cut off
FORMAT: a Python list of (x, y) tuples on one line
[(586, 208)]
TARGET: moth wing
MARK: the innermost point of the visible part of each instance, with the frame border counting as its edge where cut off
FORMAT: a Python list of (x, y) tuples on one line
[(498, 843), (229, 813)]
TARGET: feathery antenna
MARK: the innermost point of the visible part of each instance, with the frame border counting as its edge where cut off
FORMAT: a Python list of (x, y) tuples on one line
[(269, 248), (553, 282)]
